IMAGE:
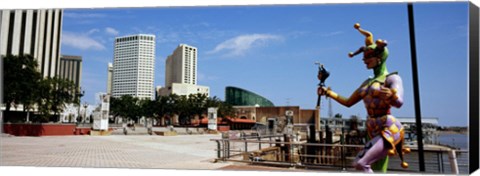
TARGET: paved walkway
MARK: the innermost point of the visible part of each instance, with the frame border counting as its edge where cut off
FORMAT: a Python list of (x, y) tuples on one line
[(115, 151), (186, 152)]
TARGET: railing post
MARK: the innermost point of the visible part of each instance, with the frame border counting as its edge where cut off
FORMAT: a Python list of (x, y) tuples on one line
[(218, 149), (270, 139), (441, 159), (291, 153), (223, 150), (343, 149), (453, 161), (344, 162), (438, 160), (259, 143), (228, 148), (246, 144)]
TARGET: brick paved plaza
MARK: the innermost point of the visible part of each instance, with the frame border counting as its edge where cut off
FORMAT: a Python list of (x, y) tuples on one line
[(125, 155), (115, 151), (120, 155)]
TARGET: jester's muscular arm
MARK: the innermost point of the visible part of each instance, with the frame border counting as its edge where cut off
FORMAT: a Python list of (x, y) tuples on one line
[(348, 102), (391, 92), (394, 83)]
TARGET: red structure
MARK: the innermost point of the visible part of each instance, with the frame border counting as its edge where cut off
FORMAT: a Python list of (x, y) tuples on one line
[(227, 123), (45, 129), (39, 129)]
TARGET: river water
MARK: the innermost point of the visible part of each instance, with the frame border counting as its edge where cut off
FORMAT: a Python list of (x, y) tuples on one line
[(454, 140), (433, 160)]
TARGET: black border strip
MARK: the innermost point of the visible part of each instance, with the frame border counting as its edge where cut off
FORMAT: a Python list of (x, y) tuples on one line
[(473, 88), (1, 91)]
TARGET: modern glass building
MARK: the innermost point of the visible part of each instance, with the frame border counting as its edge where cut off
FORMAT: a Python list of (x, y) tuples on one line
[(241, 97)]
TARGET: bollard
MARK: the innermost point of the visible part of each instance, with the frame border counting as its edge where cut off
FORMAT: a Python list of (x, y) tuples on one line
[(125, 130), (453, 161), (150, 131)]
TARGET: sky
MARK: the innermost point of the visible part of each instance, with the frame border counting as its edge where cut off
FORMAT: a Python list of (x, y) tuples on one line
[(271, 50)]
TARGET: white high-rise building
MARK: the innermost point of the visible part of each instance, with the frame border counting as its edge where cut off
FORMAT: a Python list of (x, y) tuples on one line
[(181, 73), (109, 78), (181, 66), (33, 32), (133, 66)]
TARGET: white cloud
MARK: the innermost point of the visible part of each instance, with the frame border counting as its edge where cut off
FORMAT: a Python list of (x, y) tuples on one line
[(91, 31), (203, 77), (111, 31), (80, 41), (241, 44), (84, 15), (332, 34)]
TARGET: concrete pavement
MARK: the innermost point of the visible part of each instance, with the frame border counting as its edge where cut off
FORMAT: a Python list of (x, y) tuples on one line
[(115, 151)]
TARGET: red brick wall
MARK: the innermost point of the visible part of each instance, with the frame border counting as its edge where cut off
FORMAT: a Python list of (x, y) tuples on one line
[(223, 128), (39, 129), (82, 131)]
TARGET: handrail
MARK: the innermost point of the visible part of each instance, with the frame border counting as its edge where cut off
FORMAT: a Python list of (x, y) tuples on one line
[(337, 154)]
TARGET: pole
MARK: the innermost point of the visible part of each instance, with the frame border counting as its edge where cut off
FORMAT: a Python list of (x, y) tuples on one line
[(453, 161), (473, 87), (416, 93), (319, 100)]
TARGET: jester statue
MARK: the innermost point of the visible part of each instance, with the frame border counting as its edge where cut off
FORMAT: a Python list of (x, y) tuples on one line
[(379, 93)]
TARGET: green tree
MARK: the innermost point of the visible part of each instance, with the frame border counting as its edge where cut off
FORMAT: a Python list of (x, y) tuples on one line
[(197, 104), (24, 85), (186, 107), (338, 116), (126, 106), (54, 93), (182, 108), (147, 108), (114, 107), (161, 107), (224, 109), (21, 80), (172, 108)]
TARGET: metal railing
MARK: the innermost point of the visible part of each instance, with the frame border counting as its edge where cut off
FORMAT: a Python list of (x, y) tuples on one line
[(273, 150)]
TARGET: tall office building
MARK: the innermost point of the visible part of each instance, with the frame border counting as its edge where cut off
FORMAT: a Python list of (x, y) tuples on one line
[(181, 73), (33, 32), (181, 66), (109, 78), (133, 66), (70, 68)]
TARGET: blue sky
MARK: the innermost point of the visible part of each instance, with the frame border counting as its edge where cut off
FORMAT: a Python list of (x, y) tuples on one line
[(271, 50)]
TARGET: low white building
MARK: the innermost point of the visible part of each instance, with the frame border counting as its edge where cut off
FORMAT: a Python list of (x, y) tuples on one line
[(183, 89)]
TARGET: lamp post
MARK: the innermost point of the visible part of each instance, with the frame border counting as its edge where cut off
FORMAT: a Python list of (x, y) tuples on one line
[(85, 105), (416, 89), (79, 95)]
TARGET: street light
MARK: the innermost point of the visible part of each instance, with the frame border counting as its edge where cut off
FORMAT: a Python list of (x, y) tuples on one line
[(85, 105), (79, 95)]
